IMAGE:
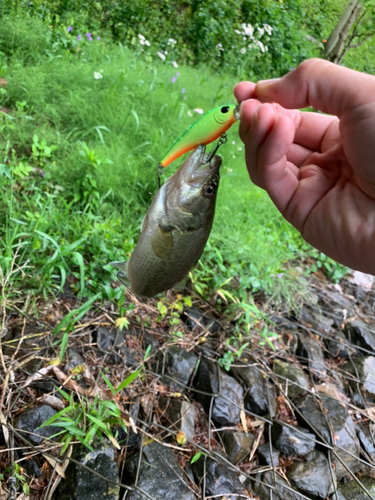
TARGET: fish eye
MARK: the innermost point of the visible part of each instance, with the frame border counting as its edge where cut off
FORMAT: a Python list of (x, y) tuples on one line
[(208, 190), (224, 109)]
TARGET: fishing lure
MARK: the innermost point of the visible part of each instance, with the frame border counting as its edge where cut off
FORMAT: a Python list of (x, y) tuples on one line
[(207, 129)]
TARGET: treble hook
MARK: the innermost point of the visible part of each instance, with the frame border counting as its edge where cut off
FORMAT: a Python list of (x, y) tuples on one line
[(223, 139), (160, 171)]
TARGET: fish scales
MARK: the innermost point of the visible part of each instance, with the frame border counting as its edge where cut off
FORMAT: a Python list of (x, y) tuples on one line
[(176, 227)]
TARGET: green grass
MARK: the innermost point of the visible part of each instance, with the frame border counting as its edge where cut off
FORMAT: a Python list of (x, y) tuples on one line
[(103, 138)]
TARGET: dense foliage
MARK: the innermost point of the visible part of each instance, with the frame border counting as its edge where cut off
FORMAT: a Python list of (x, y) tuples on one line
[(263, 38)]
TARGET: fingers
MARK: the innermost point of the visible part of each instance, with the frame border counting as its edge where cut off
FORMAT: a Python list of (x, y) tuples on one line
[(244, 90), (326, 86), (268, 136), (311, 128)]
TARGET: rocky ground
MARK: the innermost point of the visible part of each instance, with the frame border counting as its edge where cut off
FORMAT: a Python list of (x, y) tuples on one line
[(291, 423)]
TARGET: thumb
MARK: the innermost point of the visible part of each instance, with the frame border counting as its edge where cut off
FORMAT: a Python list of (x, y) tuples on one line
[(321, 84)]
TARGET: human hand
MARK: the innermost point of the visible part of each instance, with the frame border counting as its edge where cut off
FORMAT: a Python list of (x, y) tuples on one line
[(319, 170)]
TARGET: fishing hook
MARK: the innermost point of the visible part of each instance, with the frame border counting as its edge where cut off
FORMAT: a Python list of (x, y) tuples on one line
[(223, 139)]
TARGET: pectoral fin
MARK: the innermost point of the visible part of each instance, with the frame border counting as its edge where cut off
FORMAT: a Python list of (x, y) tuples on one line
[(162, 242), (123, 273)]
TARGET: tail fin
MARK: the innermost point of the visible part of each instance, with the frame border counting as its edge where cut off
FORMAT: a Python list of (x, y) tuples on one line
[(123, 273)]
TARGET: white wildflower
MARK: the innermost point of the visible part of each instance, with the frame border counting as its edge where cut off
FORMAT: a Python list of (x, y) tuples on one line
[(219, 46), (243, 50), (175, 65), (141, 37), (261, 31), (147, 43), (199, 111), (172, 41), (189, 113), (97, 75), (161, 55), (239, 149), (268, 28), (233, 142), (261, 46), (166, 52)]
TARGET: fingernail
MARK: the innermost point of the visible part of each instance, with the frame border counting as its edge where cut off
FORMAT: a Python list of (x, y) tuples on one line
[(271, 80)]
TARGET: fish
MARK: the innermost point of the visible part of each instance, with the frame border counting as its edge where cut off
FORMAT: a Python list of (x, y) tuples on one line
[(175, 229), (204, 131)]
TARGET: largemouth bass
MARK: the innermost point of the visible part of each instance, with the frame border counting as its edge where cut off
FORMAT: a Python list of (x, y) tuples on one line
[(175, 229)]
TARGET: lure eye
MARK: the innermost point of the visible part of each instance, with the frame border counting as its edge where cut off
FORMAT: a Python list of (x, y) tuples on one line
[(209, 190), (224, 109)]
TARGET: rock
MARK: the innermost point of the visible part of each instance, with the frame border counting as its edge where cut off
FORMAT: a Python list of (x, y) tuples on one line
[(160, 475), (221, 482), (256, 398), (292, 440), (81, 484), (313, 317), (360, 334), (74, 359), (225, 410), (365, 368), (198, 321), (181, 416), (366, 439), (335, 422), (284, 323), (264, 455), (297, 380), (123, 353), (129, 438), (237, 444), (281, 489), (353, 491), (312, 475), (310, 348), (32, 418), (179, 365), (337, 348), (148, 339)]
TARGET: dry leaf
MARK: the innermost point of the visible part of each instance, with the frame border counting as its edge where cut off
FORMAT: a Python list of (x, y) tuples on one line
[(53, 401), (53, 462), (243, 421), (180, 438)]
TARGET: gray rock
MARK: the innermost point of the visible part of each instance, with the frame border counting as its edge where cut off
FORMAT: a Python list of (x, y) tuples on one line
[(313, 317), (74, 358), (367, 440), (32, 418), (121, 353), (128, 438), (312, 475), (225, 410), (281, 489), (160, 475), (220, 481), (310, 348), (337, 347), (197, 320), (81, 484), (237, 444), (360, 334), (148, 339), (256, 398), (292, 440), (297, 380), (335, 426), (179, 365), (181, 416), (264, 455), (353, 491), (365, 368)]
